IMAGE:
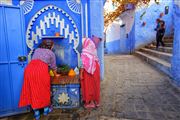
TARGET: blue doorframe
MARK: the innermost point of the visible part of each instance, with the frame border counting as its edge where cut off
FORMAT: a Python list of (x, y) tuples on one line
[(12, 46)]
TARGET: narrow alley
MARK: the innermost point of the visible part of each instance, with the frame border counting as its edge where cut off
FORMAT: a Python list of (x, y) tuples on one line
[(132, 89)]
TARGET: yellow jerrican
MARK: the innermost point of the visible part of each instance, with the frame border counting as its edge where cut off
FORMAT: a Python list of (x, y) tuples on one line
[(51, 73)]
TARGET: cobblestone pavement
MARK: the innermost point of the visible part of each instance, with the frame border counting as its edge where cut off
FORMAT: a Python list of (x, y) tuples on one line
[(132, 90)]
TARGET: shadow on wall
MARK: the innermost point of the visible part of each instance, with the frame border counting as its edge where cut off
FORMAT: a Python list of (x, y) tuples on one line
[(117, 47)]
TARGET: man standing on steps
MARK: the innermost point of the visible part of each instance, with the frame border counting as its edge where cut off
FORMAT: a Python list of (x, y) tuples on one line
[(160, 28)]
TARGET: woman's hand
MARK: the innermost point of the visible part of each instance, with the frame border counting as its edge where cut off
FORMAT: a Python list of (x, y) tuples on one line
[(57, 75)]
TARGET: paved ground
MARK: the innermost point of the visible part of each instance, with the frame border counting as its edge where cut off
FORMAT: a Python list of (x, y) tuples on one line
[(132, 89)]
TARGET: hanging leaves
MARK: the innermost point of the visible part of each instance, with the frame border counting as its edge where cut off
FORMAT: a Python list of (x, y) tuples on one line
[(120, 8)]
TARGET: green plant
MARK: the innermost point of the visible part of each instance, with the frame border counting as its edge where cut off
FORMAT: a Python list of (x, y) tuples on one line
[(63, 69)]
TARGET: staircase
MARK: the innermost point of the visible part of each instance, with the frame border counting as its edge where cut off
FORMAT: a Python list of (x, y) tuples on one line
[(161, 58)]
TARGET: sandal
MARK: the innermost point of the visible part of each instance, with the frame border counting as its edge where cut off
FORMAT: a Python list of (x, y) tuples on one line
[(47, 110), (96, 104), (37, 115), (91, 105), (50, 108)]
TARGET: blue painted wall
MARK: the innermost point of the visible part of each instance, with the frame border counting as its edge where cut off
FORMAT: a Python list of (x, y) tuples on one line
[(115, 38), (176, 45), (139, 35), (146, 34), (96, 27), (118, 37), (123, 45), (120, 46), (113, 47), (89, 22), (65, 54)]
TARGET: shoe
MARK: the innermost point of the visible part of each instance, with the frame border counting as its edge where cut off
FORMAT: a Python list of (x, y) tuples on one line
[(97, 105), (50, 108), (91, 105), (37, 115), (46, 111)]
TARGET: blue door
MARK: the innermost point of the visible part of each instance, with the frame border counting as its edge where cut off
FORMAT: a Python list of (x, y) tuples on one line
[(123, 41), (12, 62)]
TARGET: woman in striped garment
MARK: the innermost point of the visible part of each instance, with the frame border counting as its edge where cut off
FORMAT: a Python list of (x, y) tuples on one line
[(36, 87)]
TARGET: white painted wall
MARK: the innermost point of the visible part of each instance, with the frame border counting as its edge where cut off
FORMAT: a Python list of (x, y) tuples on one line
[(128, 18), (6, 2), (113, 31)]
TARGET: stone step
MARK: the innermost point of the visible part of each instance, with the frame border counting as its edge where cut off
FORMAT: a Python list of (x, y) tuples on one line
[(166, 44), (160, 64), (161, 49), (161, 55), (167, 40), (112, 118), (169, 37)]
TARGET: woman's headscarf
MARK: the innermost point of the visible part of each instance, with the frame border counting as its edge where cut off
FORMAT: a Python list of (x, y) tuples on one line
[(89, 56), (47, 44)]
